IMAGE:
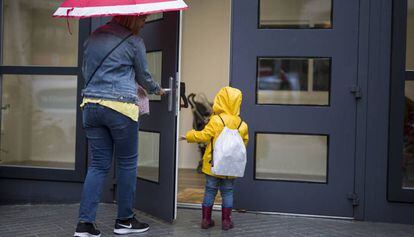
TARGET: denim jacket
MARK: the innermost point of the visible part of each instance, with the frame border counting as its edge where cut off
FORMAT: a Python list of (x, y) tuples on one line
[(115, 79)]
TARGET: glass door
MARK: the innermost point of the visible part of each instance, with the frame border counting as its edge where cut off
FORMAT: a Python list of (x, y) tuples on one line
[(157, 139), (156, 186), (296, 64)]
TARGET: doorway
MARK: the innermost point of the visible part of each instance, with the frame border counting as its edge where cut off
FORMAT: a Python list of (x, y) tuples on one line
[(297, 66), (205, 66)]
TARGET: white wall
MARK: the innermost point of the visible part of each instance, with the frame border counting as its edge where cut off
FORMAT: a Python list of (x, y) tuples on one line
[(205, 60)]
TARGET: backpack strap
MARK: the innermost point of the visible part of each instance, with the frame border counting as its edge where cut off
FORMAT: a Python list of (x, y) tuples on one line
[(212, 143), (212, 152), (238, 127), (104, 58), (222, 120), (241, 122)]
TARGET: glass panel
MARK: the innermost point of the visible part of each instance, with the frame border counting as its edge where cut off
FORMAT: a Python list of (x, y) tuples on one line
[(154, 17), (155, 67), (149, 155), (38, 121), (408, 159), (296, 81), (32, 37), (410, 36), (291, 157), (295, 14)]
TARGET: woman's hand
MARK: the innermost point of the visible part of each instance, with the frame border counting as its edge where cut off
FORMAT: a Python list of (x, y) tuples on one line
[(161, 92)]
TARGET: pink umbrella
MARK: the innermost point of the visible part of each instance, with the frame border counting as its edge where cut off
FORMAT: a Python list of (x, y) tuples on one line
[(92, 8)]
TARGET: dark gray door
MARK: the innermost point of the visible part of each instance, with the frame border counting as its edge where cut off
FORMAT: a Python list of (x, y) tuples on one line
[(157, 139), (296, 64), (156, 176)]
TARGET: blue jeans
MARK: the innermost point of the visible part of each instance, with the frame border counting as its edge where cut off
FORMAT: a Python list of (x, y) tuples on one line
[(213, 184), (109, 133)]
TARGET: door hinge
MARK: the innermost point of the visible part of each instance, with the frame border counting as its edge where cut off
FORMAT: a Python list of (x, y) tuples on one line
[(354, 198), (356, 90)]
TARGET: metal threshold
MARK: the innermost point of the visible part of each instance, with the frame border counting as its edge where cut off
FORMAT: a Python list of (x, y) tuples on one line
[(218, 208)]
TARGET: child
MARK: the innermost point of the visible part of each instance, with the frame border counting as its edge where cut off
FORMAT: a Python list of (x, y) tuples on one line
[(226, 110)]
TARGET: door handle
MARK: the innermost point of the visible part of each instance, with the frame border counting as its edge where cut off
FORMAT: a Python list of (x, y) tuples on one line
[(170, 92)]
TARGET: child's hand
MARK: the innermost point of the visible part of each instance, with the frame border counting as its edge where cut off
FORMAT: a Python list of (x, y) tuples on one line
[(182, 138)]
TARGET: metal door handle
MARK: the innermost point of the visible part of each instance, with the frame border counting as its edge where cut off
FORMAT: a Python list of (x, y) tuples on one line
[(170, 91)]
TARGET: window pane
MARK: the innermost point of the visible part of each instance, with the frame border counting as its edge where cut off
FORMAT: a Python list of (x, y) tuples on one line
[(155, 67), (154, 17), (38, 121), (32, 37), (295, 14), (291, 157), (149, 155), (296, 81), (410, 36), (408, 159)]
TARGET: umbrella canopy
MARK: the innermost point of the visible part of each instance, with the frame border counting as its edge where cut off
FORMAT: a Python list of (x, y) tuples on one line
[(91, 8)]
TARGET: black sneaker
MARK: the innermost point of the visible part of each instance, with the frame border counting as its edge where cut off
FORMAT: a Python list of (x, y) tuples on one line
[(132, 225), (86, 230)]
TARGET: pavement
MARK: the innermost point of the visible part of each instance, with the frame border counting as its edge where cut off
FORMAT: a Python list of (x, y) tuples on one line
[(60, 220)]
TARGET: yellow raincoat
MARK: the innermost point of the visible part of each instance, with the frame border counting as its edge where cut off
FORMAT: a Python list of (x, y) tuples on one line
[(226, 104)]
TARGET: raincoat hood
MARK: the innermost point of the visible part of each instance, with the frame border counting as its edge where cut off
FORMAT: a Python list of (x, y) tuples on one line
[(228, 100)]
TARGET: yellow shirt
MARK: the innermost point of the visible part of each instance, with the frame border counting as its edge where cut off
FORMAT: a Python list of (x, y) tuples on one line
[(130, 110)]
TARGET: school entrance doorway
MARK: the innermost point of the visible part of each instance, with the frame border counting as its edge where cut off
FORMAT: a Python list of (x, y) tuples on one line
[(296, 64)]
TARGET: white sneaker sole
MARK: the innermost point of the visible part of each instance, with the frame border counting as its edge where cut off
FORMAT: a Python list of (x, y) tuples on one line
[(85, 235), (129, 231)]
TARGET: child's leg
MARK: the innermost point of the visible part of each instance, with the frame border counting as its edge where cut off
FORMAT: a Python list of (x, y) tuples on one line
[(212, 185), (226, 190), (210, 193)]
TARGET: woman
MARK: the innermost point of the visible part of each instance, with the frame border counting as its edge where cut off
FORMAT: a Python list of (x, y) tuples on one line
[(114, 60)]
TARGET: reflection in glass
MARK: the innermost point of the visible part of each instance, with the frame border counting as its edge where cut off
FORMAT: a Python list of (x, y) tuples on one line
[(408, 158), (154, 17), (296, 81), (410, 36), (32, 37), (295, 14), (291, 157), (38, 121), (148, 155), (155, 67)]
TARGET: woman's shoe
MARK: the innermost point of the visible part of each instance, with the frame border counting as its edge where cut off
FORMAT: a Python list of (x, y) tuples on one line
[(131, 225), (84, 229)]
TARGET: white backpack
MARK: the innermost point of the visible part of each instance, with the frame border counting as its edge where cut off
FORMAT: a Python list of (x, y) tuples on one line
[(229, 153)]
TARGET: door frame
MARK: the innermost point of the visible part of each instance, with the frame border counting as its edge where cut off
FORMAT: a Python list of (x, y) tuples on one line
[(363, 74)]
